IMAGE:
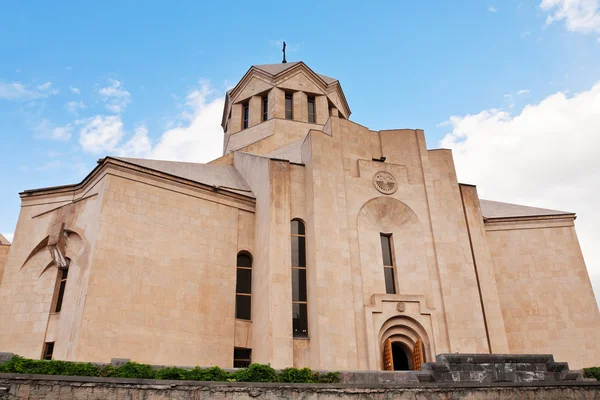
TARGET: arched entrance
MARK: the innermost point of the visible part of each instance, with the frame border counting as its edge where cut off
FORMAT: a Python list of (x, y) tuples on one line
[(402, 357), (404, 344)]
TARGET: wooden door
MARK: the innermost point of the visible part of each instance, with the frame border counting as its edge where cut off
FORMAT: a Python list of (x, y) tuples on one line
[(418, 355), (388, 359)]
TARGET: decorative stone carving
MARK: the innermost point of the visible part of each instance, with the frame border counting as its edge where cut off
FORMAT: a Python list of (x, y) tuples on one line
[(385, 182), (401, 306)]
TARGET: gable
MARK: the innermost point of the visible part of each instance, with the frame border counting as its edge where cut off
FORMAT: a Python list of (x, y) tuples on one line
[(335, 99), (254, 86), (302, 82)]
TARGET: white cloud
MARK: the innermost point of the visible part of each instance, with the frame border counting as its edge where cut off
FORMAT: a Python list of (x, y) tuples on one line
[(138, 146), (74, 106), (16, 91), (546, 156), (101, 133), (115, 97), (579, 15), (47, 130), (492, 9), (199, 137), (74, 90), (522, 92), (9, 236)]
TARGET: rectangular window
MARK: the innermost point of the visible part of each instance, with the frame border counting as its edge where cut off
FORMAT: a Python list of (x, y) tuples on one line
[(388, 263), (48, 350), (246, 114), (61, 284), (265, 102), (299, 292), (242, 358), (311, 110), (289, 106)]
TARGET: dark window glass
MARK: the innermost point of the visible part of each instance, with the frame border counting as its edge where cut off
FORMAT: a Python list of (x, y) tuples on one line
[(390, 286), (297, 227), (241, 358), (243, 288), (48, 350), (299, 284), (246, 115), (289, 107), (386, 249), (300, 320), (265, 108), (242, 306), (244, 260), (62, 284), (311, 110), (244, 281), (298, 251)]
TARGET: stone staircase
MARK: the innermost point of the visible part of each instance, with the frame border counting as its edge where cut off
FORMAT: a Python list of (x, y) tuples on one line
[(493, 368)]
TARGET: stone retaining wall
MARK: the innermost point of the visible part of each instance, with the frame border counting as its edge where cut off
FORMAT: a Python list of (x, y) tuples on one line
[(42, 387)]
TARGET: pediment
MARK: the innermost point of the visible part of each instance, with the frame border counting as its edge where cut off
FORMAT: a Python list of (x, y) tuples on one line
[(334, 97), (254, 86), (300, 81)]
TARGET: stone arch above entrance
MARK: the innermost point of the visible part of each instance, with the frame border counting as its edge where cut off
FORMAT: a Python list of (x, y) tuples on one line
[(407, 342)]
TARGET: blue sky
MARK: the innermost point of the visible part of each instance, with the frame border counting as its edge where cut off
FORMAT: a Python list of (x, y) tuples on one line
[(81, 80)]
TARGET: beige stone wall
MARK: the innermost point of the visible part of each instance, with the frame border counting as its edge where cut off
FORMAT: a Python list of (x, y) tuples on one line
[(4, 250), (26, 291), (545, 293), (484, 267), (162, 288)]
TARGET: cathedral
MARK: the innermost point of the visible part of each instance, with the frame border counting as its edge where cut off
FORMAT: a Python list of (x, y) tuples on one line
[(313, 241)]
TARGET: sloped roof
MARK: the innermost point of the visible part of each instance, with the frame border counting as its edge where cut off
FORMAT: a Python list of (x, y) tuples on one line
[(275, 69), (4, 241), (223, 176), (496, 209), (291, 152)]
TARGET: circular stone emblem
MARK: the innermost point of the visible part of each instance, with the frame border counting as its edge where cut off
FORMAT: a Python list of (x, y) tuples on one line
[(401, 306), (385, 182)]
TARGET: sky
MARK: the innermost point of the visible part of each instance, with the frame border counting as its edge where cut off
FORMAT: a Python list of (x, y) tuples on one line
[(512, 86)]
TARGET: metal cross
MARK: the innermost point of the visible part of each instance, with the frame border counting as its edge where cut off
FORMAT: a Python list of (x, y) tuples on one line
[(284, 61)]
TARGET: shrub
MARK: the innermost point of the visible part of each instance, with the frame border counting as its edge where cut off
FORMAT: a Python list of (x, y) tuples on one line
[(256, 373), (295, 375), (593, 372), (212, 374), (22, 365), (133, 370), (330, 377)]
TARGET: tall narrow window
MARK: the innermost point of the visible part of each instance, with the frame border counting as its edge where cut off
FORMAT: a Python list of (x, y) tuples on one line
[(388, 263), (289, 106), (241, 357), (48, 350), (299, 298), (243, 288), (265, 106), (59, 291), (311, 110), (246, 114)]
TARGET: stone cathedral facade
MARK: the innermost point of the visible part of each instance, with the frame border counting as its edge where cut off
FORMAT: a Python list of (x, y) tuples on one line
[(313, 241)]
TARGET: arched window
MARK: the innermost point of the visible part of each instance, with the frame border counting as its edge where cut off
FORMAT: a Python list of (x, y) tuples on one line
[(243, 287), (299, 298), (59, 289)]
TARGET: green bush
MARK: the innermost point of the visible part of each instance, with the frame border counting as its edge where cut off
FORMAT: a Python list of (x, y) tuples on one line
[(254, 373), (212, 374), (295, 375), (22, 365), (593, 372), (330, 377)]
